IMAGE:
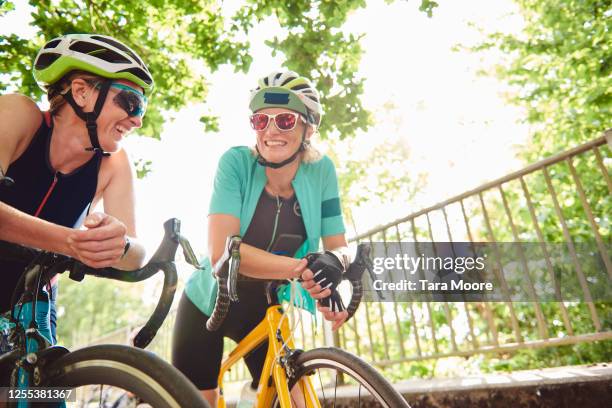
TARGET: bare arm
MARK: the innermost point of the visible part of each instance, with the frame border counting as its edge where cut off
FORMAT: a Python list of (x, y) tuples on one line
[(19, 120), (334, 241), (103, 243), (254, 262), (119, 201), (21, 228)]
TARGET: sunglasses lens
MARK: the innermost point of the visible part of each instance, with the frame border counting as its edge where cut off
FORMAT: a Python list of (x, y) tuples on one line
[(131, 103), (259, 121), (285, 121)]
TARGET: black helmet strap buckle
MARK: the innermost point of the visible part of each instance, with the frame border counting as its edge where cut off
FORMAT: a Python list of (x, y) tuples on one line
[(264, 162), (90, 118)]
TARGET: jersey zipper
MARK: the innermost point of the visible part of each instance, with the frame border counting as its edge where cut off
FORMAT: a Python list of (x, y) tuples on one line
[(44, 200), (279, 204)]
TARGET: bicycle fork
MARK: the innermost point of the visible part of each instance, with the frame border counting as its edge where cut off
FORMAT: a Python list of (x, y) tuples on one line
[(37, 337), (284, 368)]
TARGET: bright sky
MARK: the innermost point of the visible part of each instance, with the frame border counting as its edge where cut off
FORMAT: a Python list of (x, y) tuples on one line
[(456, 124)]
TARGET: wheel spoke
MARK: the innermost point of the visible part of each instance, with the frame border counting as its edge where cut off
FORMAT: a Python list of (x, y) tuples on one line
[(335, 389), (322, 388)]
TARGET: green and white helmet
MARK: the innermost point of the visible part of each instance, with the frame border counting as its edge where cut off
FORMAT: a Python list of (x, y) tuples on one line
[(287, 89), (99, 54)]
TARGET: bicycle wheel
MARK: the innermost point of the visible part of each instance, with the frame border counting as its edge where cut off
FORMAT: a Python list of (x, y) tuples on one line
[(144, 376), (342, 379)]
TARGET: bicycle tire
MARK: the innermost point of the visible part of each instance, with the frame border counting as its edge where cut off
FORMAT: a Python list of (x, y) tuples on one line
[(381, 392), (137, 371)]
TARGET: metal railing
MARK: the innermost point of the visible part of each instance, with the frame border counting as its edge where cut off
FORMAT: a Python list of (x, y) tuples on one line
[(510, 208)]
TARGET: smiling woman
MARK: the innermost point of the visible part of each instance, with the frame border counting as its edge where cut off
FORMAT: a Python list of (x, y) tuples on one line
[(281, 135), (287, 96), (282, 197), (66, 160)]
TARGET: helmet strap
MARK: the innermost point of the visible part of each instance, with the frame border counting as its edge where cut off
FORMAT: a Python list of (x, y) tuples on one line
[(90, 118), (264, 162)]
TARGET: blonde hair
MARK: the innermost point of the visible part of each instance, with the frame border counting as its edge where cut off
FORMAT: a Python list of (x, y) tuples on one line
[(311, 154), (55, 92)]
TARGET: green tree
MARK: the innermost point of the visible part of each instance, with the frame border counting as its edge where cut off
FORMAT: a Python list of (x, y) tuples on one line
[(560, 69), (381, 177), (95, 307), (184, 40)]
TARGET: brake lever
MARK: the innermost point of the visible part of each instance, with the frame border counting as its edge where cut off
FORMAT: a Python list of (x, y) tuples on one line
[(188, 252), (234, 267), (362, 261)]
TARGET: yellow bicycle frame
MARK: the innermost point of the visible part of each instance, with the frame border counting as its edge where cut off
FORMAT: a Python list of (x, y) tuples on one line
[(273, 380)]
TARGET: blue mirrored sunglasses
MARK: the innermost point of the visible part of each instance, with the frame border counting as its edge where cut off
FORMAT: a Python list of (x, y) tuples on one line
[(133, 102)]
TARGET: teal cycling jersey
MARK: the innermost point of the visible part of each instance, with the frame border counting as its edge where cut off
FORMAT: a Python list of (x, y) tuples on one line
[(240, 181)]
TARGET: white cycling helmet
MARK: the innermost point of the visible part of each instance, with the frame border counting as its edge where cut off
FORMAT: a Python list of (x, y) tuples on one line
[(303, 96), (99, 54)]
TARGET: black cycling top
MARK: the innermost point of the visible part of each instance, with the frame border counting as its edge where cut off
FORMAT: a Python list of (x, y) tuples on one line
[(277, 225), (41, 191)]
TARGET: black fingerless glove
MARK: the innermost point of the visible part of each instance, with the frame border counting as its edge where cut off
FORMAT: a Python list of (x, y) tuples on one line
[(333, 302), (327, 269)]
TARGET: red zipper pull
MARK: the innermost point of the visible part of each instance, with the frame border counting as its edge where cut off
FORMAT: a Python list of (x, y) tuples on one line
[(44, 200)]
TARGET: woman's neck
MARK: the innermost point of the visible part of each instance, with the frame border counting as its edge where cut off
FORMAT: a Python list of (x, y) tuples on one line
[(279, 180), (68, 143)]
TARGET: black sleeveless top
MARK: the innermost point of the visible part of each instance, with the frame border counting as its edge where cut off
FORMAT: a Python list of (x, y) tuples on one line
[(43, 192), (289, 233), (277, 227)]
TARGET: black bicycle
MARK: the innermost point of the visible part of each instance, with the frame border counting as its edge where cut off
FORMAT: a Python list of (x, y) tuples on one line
[(34, 363)]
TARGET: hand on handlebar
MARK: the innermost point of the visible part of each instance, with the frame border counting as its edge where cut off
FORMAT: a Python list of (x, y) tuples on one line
[(46, 263), (315, 290), (330, 305), (328, 268), (324, 273), (102, 244), (336, 318)]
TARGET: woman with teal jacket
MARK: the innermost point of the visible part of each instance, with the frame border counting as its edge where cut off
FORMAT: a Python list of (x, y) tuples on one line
[(282, 197)]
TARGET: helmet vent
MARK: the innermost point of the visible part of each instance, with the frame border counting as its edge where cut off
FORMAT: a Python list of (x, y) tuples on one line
[(140, 74), (301, 86), (99, 52), (287, 80), (118, 45), (46, 59), (52, 44)]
